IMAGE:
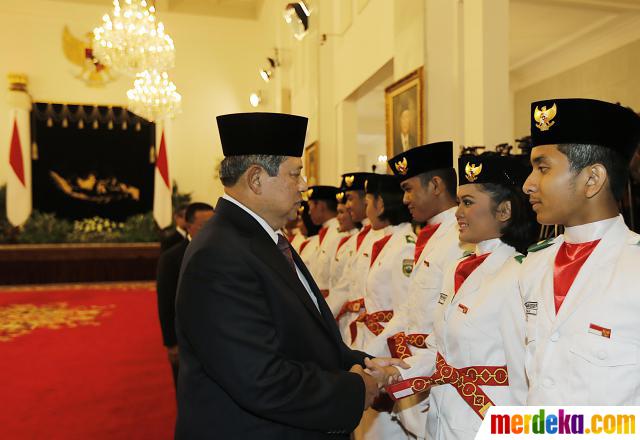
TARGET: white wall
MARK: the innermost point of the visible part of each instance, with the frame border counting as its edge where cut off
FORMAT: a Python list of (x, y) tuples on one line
[(613, 77), (216, 68)]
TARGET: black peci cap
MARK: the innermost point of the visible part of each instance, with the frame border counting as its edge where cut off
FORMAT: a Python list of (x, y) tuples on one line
[(379, 183), (275, 134), (490, 167), (322, 192), (354, 181), (425, 158), (585, 121)]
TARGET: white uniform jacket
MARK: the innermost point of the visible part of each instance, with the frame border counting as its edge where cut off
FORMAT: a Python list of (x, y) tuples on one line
[(387, 284), (357, 277), (471, 331), (320, 267), (308, 250), (425, 284), (339, 263), (589, 353), (340, 289)]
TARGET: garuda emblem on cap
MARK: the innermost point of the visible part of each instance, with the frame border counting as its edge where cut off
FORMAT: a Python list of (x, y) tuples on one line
[(472, 171), (309, 192), (340, 197), (349, 180), (402, 166), (544, 117)]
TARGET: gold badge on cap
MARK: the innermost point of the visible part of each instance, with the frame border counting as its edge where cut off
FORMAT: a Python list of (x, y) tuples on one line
[(340, 197), (402, 166), (300, 209), (309, 192), (472, 171), (544, 117), (349, 180)]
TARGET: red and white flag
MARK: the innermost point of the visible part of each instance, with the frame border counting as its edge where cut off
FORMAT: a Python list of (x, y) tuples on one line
[(19, 179), (162, 211)]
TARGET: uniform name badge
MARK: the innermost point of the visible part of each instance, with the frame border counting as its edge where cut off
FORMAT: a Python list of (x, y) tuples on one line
[(600, 331), (531, 307), (443, 298)]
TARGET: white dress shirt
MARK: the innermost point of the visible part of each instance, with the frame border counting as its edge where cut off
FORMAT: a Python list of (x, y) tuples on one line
[(274, 236)]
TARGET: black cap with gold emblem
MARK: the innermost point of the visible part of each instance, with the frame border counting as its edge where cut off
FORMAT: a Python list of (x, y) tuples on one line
[(354, 181), (423, 159), (382, 183), (322, 192), (585, 121), (275, 134), (491, 167)]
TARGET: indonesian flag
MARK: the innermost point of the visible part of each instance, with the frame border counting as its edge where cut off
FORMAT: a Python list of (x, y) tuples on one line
[(19, 179), (162, 211)]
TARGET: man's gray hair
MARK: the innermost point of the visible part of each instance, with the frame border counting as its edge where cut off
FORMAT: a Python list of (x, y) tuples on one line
[(232, 167)]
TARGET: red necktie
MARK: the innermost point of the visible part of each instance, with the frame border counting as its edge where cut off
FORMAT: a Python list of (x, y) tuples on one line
[(466, 267), (423, 238), (569, 260), (322, 232), (377, 247), (361, 236)]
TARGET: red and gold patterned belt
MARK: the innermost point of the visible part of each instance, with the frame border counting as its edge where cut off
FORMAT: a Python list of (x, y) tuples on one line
[(351, 306), (400, 342), (467, 382), (372, 321)]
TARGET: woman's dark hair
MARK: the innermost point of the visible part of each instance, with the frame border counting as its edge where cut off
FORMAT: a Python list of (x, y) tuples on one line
[(308, 224), (522, 229), (395, 211)]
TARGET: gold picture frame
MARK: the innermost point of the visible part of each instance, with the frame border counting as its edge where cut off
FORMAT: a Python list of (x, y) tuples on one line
[(311, 163), (404, 113)]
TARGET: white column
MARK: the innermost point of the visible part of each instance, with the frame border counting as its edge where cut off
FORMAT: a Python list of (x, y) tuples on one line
[(467, 72), (487, 111)]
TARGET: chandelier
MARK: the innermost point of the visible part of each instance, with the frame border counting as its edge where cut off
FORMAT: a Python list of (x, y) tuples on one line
[(130, 41), (153, 96)]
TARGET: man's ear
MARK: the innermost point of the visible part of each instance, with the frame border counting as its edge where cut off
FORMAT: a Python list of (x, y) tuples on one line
[(596, 176), (438, 185), (379, 203), (253, 175), (503, 213)]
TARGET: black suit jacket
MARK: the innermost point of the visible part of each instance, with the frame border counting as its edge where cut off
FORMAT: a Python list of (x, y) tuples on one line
[(257, 359), (166, 286), (170, 240)]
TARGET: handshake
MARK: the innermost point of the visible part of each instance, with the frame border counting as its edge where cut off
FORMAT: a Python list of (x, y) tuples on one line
[(379, 372)]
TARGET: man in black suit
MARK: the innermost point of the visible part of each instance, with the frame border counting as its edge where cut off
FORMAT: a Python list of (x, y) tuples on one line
[(172, 237), (196, 215), (260, 353)]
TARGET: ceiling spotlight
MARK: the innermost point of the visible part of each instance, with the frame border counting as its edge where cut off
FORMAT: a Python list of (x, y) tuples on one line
[(267, 72), (255, 99), (296, 15)]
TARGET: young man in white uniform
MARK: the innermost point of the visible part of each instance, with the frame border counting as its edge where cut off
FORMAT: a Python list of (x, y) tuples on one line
[(580, 290)]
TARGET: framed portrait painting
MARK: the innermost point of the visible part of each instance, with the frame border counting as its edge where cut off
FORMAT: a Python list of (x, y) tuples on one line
[(311, 163), (404, 113)]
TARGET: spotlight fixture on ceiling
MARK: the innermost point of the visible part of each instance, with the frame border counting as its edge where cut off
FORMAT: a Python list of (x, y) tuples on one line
[(296, 14), (267, 72), (255, 98)]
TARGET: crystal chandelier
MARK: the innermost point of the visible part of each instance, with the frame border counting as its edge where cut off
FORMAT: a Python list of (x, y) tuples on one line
[(130, 41), (153, 96)]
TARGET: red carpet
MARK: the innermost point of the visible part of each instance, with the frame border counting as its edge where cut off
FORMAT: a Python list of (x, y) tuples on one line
[(83, 363)]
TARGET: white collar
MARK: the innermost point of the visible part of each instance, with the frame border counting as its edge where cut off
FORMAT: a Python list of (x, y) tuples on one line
[(443, 216), (365, 222), (329, 222), (273, 234), (588, 231), (181, 231), (487, 246)]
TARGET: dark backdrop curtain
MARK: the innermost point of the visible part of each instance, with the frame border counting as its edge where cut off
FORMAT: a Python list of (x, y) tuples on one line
[(91, 161)]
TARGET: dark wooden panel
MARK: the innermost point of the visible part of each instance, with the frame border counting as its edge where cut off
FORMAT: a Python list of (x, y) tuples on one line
[(68, 263)]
